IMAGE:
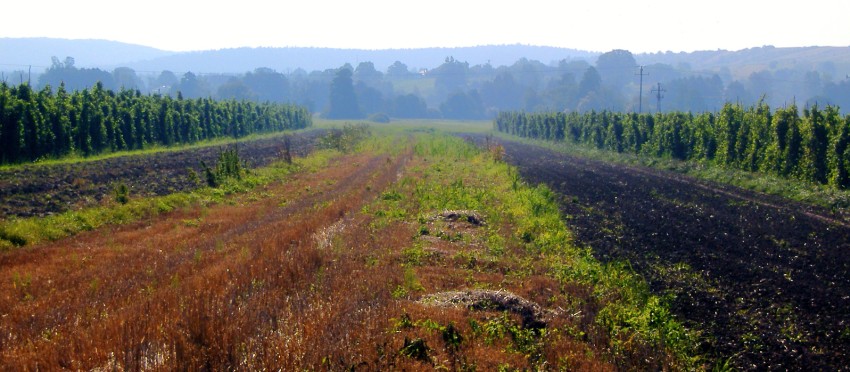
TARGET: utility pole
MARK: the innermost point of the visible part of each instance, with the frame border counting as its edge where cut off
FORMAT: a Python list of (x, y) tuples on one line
[(658, 94), (640, 95)]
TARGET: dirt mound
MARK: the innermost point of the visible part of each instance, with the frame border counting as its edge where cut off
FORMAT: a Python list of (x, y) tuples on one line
[(533, 315)]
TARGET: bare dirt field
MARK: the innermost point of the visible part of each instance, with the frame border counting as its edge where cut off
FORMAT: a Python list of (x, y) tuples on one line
[(38, 190), (766, 280)]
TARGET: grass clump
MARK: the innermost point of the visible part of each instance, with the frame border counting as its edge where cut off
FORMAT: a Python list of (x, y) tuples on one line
[(228, 166)]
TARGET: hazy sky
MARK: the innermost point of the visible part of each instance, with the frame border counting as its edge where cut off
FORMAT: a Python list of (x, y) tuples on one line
[(596, 25)]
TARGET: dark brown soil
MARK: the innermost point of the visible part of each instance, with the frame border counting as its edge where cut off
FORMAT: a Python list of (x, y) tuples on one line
[(39, 190), (766, 280)]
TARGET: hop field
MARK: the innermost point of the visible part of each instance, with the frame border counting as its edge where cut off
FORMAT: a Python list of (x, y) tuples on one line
[(405, 248)]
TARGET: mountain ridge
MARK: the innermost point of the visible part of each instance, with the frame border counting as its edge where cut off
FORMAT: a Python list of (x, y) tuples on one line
[(21, 53)]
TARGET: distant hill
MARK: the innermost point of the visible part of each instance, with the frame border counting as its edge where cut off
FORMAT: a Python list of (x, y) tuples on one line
[(310, 59), (18, 53), (742, 62)]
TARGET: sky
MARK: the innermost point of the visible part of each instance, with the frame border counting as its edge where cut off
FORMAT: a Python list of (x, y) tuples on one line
[(592, 25)]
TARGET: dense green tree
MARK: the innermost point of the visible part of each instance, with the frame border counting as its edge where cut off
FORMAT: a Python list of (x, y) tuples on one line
[(409, 106), (617, 68), (736, 92), (694, 93), (74, 78), (366, 73), (462, 105), (503, 93), (236, 88), (369, 99), (343, 100), (126, 78), (561, 93), (191, 86), (590, 82), (450, 77), (398, 70), (164, 82), (267, 85)]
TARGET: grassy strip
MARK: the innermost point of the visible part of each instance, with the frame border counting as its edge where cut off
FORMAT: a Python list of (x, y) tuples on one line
[(17, 232), (836, 200), (459, 176)]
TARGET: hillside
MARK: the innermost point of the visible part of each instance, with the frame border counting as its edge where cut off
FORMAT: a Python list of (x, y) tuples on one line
[(18, 53), (743, 62), (312, 59)]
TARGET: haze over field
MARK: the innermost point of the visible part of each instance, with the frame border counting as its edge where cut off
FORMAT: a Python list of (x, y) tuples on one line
[(420, 60)]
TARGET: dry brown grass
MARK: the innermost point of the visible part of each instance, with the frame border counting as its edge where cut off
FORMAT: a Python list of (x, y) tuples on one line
[(233, 286), (309, 283)]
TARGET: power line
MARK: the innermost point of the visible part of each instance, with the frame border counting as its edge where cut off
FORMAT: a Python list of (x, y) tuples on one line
[(658, 95), (640, 95)]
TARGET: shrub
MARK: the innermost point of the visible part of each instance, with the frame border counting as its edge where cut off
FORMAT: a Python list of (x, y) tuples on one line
[(121, 193), (228, 166), (379, 117)]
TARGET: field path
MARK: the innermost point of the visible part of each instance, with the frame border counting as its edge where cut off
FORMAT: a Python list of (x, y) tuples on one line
[(765, 279), (189, 286)]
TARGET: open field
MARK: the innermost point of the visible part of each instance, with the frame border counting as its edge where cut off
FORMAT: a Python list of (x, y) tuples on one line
[(763, 278), (417, 251)]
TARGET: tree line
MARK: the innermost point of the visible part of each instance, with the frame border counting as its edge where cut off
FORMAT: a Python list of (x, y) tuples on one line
[(456, 89), (812, 145), (36, 124)]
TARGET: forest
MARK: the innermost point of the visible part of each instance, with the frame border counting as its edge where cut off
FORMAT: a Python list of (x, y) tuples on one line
[(51, 124), (459, 89), (814, 146)]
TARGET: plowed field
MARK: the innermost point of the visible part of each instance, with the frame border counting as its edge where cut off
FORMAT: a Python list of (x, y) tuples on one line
[(766, 280), (38, 190)]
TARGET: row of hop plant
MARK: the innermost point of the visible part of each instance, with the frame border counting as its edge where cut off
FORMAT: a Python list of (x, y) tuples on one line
[(52, 124), (811, 145)]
